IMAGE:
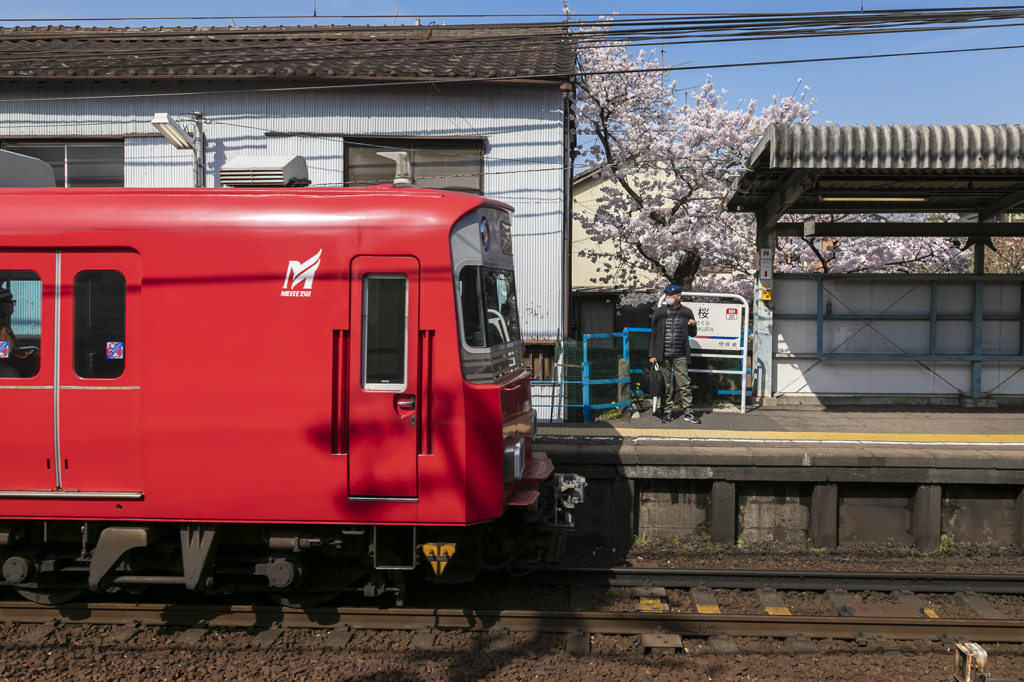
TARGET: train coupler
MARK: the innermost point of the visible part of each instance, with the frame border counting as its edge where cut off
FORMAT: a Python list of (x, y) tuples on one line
[(438, 555), (565, 492)]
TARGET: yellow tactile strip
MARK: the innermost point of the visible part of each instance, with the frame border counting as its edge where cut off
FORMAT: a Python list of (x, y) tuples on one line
[(813, 436)]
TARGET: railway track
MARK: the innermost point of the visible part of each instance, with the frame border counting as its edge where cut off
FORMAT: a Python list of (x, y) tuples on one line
[(779, 580), (591, 622)]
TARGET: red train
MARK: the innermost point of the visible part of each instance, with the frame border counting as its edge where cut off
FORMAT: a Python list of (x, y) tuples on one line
[(294, 391)]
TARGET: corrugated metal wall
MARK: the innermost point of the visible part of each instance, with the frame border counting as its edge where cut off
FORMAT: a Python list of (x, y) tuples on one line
[(522, 125), (799, 371)]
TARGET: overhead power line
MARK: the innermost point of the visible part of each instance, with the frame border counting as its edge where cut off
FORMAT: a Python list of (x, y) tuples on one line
[(654, 27), (660, 18)]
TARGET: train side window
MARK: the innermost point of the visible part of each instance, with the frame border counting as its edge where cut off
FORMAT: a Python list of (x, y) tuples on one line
[(21, 321), (472, 312), (385, 322), (99, 350)]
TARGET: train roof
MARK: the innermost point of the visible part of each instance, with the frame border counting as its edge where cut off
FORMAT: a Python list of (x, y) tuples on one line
[(223, 208)]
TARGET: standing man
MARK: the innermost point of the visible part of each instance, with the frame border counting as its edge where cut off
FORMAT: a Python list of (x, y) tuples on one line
[(672, 325)]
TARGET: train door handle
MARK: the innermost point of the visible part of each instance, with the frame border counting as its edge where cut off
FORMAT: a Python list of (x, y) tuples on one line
[(406, 402)]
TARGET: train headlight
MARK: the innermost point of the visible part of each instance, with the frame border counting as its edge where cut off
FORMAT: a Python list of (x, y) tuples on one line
[(515, 460)]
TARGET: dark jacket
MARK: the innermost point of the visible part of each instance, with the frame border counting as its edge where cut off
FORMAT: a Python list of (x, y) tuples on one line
[(657, 349)]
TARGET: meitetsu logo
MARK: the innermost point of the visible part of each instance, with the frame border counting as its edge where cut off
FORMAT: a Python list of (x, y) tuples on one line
[(301, 272)]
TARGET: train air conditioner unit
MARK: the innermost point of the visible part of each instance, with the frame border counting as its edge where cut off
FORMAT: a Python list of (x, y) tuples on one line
[(265, 171)]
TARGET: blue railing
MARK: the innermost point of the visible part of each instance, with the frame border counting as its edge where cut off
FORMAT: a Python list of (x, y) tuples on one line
[(588, 406)]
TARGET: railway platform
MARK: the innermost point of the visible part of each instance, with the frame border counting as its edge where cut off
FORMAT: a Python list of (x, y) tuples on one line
[(889, 474)]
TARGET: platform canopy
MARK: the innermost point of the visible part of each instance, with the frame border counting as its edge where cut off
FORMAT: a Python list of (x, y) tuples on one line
[(974, 170)]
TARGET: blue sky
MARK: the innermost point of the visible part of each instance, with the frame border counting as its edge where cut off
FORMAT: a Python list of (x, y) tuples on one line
[(961, 88)]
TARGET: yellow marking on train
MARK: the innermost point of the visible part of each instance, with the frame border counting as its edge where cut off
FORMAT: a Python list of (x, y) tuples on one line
[(438, 554), (708, 608), (931, 613), (715, 434), (777, 611)]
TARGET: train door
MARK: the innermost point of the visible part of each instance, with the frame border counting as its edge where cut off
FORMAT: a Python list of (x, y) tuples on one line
[(384, 381), (98, 368), (27, 394)]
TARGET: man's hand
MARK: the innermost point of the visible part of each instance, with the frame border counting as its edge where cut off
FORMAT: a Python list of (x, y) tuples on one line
[(692, 322), (653, 360)]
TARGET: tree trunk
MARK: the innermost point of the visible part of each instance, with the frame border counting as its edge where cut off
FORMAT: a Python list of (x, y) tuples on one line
[(686, 270)]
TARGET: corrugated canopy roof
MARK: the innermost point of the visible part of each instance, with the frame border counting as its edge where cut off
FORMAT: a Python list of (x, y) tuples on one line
[(882, 169), (300, 52)]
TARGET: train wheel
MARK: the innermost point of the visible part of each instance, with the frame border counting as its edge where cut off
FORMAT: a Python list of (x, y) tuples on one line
[(302, 600), (49, 597)]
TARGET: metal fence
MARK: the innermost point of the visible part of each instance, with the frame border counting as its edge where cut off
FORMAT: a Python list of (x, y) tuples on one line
[(602, 372)]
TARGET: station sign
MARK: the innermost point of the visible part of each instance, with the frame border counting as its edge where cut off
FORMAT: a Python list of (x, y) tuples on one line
[(719, 326), (765, 258)]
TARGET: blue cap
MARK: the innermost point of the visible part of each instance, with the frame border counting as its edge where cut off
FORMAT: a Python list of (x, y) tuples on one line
[(673, 289)]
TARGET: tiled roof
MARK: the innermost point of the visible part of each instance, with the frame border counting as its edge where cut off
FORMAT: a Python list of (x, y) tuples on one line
[(301, 52)]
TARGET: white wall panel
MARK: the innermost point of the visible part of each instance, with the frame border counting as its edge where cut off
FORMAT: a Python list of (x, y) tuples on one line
[(153, 162), (870, 298), (522, 125)]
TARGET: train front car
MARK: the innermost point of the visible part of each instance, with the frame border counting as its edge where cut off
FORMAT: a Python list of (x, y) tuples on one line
[(507, 480), (289, 392)]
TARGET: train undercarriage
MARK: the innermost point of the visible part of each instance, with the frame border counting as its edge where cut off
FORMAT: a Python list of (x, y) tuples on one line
[(50, 562)]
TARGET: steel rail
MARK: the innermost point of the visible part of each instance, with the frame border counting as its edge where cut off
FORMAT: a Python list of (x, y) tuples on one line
[(591, 622), (997, 583)]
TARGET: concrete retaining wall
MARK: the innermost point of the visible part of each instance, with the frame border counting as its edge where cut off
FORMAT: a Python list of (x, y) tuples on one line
[(619, 508)]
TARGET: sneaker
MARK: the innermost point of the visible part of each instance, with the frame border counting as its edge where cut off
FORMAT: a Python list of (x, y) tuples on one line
[(691, 417), (667, 418)]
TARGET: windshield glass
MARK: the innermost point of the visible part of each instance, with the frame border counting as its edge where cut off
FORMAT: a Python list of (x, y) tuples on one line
[(472, 311), (500, 310), (490, 316)]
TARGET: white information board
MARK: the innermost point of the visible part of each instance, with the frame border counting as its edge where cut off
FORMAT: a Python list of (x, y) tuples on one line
[(765, 264), (719, 326)]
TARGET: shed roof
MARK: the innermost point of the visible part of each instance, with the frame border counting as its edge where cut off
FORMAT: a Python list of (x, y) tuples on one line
[(406, 53), (883, 169)]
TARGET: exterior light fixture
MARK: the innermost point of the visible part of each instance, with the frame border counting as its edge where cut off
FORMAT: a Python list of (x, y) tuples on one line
[(170, 129), (177, 136)]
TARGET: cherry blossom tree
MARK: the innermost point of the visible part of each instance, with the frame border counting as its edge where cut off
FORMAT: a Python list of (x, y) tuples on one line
[(1008, 257), (667, 166)]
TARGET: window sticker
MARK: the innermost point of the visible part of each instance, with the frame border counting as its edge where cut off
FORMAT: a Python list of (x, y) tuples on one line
[(115, 350), (5, 349)]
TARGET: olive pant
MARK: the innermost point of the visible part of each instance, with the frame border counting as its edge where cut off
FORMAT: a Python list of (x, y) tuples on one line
[(682, 396)]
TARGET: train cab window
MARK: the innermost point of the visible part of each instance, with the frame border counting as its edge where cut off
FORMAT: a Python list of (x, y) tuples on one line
[(99, 348), (385, 322), (21, 302), (472, 310), (490, 316), (499, 288)]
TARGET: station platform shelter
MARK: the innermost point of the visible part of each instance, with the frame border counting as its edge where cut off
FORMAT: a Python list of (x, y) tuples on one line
[(887, 338), (889, 407)]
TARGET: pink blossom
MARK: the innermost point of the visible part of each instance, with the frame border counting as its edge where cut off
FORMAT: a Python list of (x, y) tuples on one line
[(667, 168)]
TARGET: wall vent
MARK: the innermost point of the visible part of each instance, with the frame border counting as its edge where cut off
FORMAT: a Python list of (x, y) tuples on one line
[(264, 171)]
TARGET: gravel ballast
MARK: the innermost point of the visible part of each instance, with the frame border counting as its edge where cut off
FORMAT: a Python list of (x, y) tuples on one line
[(84, 652)]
